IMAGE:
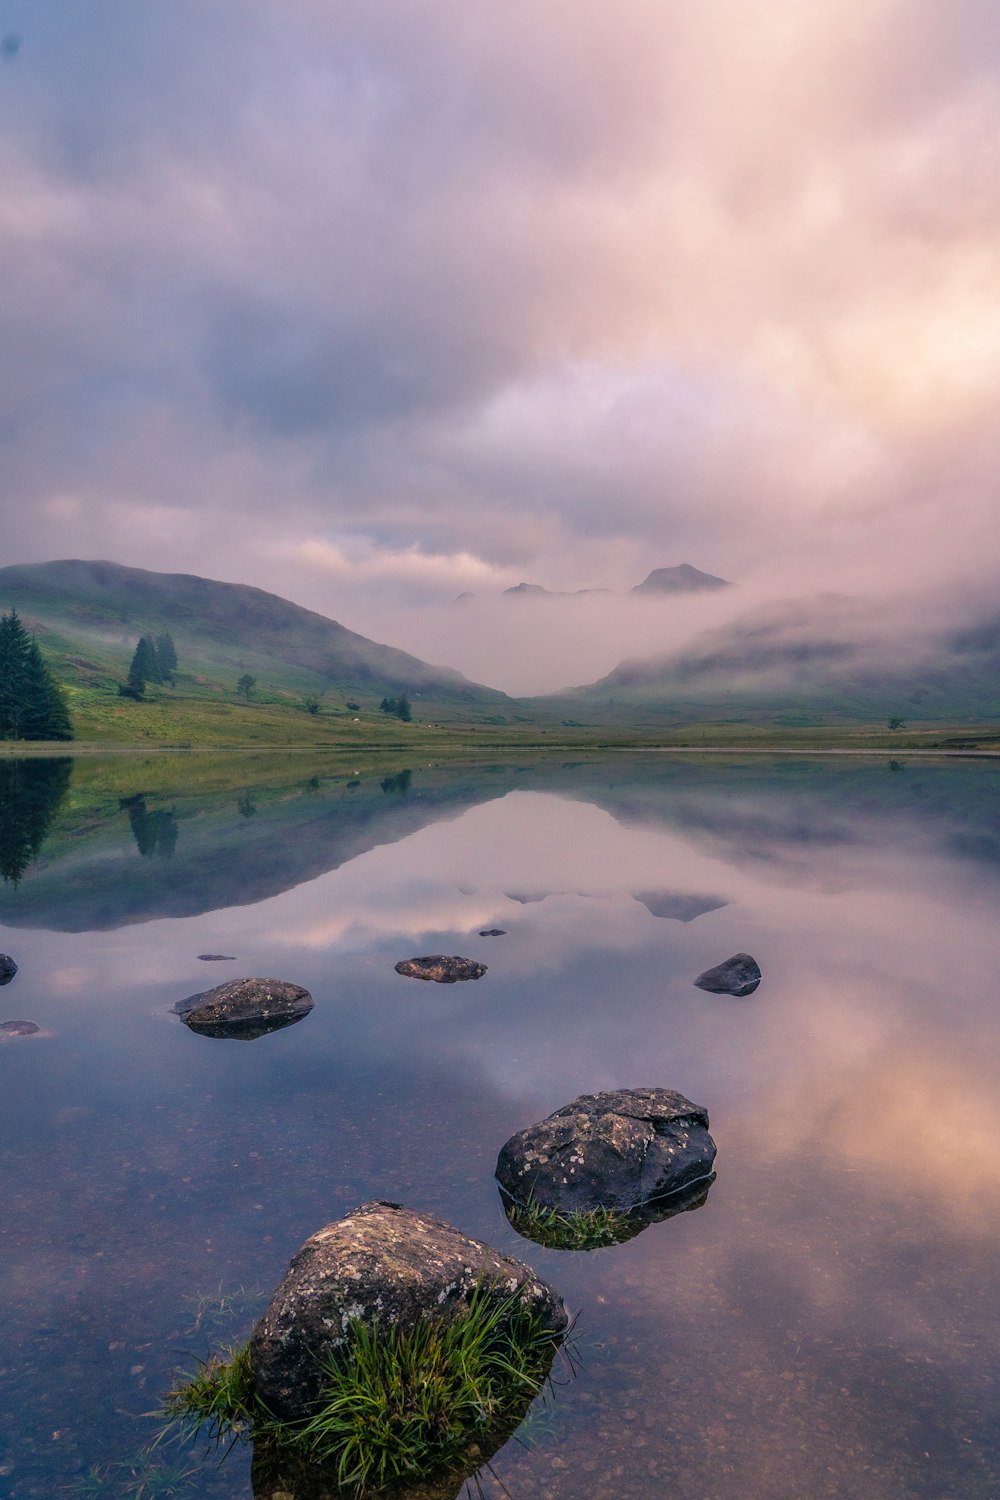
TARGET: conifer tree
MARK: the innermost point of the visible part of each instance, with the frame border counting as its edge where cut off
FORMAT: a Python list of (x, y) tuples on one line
[(144, 668), (166, 656), (32, 706)]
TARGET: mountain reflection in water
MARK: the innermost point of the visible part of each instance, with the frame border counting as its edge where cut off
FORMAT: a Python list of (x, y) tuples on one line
[(821, 1326)]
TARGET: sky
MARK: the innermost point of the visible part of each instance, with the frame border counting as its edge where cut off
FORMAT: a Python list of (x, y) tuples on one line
[(374, 304)]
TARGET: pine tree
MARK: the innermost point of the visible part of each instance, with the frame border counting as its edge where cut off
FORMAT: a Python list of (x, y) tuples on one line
[(32, 706), (166, 656), (144, 668)]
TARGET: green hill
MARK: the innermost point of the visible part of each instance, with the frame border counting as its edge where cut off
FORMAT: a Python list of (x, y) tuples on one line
[(88, 616)]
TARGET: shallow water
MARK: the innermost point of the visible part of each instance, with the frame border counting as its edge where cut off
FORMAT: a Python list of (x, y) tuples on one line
[(826, 1324)]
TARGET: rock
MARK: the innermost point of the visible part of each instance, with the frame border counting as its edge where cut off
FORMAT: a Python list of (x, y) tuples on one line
[(494, 932), (8, 968), (617, 1151), (19, 1028), (739, 975), (385, 1264), (245, 1008), (217, 958), (441, 967)]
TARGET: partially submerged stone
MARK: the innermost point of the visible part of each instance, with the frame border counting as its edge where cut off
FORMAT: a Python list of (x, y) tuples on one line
[(19, 1028), (8, 968), (739, 975), (442, 967), (494, 932), (615, 1151), (217, 958), (387, 1266), (245, 1009), (583, 1231)]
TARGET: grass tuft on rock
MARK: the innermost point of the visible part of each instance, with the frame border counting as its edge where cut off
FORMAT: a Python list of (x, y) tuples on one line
[(398, 1404), (590, 1229)]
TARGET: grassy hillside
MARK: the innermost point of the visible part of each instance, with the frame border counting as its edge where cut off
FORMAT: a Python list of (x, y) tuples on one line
[(88, 616)]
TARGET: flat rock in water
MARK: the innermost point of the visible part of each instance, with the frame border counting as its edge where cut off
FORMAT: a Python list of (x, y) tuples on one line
[(245, 1009), (19, 1028), (494, 932), (617, 1150), (8, 968), (381, 1264), (442, 967), (217, 958), (739, 975)]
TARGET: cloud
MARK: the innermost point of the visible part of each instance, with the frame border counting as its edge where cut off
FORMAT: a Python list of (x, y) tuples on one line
[(503, 292)]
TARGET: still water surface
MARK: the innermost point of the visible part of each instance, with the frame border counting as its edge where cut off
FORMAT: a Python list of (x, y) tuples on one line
[(825, 1325)]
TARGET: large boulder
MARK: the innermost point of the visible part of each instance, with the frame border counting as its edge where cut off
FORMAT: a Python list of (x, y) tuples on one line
[(442, 967), (614, 1151), (385, 1265), (245, 1008), (739, 975), (8, 968)]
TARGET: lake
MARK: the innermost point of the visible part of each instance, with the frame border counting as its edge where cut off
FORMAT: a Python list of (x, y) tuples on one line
[(826, 1324)]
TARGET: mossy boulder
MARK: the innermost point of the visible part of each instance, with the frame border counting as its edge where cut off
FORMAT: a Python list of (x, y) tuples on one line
[(389, 1267), (614, 1152)]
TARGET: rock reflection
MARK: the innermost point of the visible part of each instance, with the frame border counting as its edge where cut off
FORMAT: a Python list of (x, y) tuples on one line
[(242, 1031), (596, 1231)]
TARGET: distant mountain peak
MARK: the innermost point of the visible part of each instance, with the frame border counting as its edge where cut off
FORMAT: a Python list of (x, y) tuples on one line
[(682, 579)]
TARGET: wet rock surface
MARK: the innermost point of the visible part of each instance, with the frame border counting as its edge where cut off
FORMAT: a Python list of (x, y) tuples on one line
[(385, 1264), (442, 967), (618, 1150), (8, 968), (19, 1028), (245, 1009), (739, 975)]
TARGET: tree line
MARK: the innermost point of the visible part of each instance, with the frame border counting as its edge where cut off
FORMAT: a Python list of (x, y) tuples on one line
[(32, 705)]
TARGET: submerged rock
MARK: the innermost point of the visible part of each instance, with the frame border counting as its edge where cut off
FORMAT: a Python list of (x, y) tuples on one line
[(739, 975), (217, 958), (615, 1151), (382, 1264), (245, 1009), (19, 1028), (559, 1231), (8, 968), (442, 967)]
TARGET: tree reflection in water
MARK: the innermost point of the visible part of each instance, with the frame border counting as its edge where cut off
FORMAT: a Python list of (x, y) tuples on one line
[(30, 793)]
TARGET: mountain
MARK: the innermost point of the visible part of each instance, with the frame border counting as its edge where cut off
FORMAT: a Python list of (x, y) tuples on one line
[(680, 580), (535, 591), (88, 616), (806, 662)]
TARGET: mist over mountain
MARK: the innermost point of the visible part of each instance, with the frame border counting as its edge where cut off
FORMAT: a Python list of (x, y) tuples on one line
[(811, 659)]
